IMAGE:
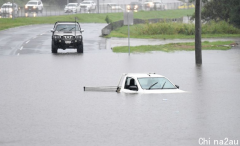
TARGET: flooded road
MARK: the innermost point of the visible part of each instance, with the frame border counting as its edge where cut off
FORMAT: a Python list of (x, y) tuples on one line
[(42, 101)]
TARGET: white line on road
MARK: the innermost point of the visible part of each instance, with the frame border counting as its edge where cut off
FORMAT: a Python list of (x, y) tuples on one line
[(21, 48), (18, 54), (27, 42)]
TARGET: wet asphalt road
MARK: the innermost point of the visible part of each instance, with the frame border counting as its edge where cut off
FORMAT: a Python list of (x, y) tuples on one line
[(42, 101), (36, 39)]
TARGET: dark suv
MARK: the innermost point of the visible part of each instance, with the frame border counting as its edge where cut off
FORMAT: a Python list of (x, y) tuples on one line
[(67, 35)]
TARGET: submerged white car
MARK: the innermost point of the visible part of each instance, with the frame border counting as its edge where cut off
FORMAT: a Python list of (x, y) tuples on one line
[(141, 83)]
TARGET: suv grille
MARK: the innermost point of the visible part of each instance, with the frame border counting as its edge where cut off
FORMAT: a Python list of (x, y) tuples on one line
[(67, 37)]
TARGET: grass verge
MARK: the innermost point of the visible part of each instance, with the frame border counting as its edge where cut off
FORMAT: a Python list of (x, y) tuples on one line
[(218, 45), (171, 30), (92, 17)]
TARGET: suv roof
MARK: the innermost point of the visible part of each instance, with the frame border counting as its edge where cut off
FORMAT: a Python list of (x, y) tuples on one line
[(65, 22)]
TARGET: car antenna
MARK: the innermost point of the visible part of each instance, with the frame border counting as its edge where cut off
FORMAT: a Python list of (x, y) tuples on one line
[(75, 26)]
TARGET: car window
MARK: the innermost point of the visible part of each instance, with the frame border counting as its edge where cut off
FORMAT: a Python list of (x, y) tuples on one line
[(67, 27), (156, 83), (6, 6), (128, 82)]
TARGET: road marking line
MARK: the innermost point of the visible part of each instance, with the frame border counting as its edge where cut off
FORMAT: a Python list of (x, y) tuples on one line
[(42, 34), (27, 42), (21, 48), (18, 54)]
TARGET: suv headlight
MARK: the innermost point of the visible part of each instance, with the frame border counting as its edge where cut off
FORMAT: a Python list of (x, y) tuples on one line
[(26, 7), (57, 36), (78, 37), (34, 7)]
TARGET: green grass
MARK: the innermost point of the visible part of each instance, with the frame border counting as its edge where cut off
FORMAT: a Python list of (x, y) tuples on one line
[(92, 18), (171, 30), (218, 45)]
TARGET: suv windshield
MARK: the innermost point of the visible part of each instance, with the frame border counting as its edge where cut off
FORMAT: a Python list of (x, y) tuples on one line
[(155, 83), (67, 27)]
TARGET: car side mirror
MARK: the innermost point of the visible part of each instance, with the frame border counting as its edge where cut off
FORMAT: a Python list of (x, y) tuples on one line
[(82, 30), (52, 30), (177, 86), (134, 88)]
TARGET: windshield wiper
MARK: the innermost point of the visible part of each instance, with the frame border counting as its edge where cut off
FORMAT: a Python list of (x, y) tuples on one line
[(163, 85), (61, 29), (71, 29), (152, 85)]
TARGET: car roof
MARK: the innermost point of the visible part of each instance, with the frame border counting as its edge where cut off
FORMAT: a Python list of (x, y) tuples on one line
[(9, 3), (66, 22), (142, 75)]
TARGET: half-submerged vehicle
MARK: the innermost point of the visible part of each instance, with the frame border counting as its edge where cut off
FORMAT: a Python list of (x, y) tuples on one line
[(141, 83)]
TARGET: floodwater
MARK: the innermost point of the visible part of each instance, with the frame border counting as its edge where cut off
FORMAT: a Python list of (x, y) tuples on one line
[(42, 101)]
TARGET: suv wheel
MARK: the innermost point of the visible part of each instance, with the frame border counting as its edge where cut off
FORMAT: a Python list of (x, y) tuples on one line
[(80, 48), (54, 48)]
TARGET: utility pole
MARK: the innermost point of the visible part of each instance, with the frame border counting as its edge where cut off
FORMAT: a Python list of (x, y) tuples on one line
[(128, 34), (198, 30), (98, 6), (13, 9)]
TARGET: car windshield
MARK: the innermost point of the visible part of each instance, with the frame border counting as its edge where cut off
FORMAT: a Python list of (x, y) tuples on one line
[(85, 3), (32, 3), (6, 6), (155, 83), (67, 27), (71, 5)]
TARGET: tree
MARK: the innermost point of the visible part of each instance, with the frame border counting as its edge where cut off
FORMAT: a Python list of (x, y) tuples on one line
[(221, 10), (235, 15)]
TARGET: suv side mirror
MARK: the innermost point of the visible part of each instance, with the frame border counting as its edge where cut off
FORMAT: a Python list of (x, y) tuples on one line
[(177, 86), (134, 88), (82, 30), (52, 30)]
